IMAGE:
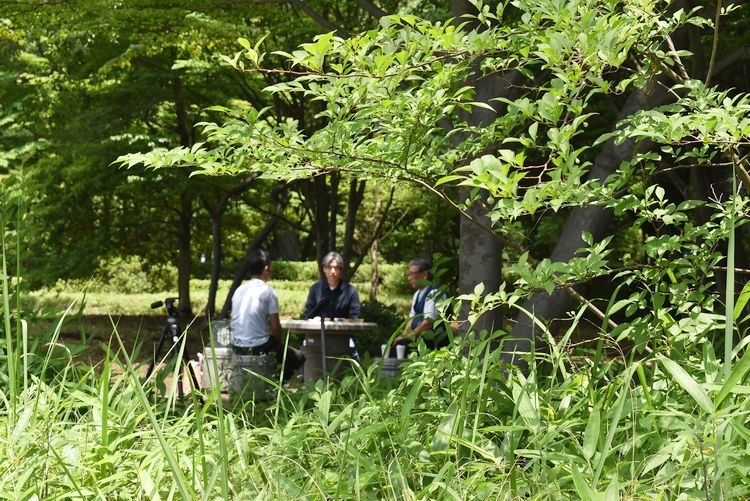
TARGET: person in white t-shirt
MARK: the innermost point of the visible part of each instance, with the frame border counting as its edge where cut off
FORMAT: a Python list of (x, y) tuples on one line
[(423, 315), (256, 327)]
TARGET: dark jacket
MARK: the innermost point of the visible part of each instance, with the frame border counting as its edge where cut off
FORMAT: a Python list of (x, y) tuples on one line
[(344, 300)]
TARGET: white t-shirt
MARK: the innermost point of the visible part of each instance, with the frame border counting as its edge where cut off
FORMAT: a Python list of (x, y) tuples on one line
[(252, 303), (429, 303)]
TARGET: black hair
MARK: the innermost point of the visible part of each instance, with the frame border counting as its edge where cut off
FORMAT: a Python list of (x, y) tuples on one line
[(257, 262), (421, 264)]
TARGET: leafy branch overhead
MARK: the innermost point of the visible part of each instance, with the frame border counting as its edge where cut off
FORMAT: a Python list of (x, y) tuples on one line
[(390, 102)]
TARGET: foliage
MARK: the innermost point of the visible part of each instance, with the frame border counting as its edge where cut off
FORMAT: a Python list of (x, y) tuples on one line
[(389, 320), (646, 409), (450, 425)]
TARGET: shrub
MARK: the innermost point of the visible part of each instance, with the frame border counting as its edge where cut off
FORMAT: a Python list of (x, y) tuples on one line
[(389, 320)]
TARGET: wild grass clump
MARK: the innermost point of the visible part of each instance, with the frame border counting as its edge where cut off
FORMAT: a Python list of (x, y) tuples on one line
[(667, 422), (455, 425)]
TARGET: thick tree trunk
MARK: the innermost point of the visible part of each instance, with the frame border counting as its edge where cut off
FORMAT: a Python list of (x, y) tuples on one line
[(480, 253), (184, 257), (479, 261), (592, 219)]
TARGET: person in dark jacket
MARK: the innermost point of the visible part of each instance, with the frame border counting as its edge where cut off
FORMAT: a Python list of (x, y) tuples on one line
[(343, 298)]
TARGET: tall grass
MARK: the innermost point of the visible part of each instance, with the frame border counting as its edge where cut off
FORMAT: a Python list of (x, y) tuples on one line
[(451, 427), (455, 425)]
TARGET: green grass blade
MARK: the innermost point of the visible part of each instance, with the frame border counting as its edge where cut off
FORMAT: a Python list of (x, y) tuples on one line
[(585, 492), (738, 373), (592, 432), (9, 349), (612, 430), (689, 384), (182, 483)]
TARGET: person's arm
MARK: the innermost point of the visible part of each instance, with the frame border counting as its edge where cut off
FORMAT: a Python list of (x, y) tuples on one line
[(424, 325), (406, 333), (354, 306), (311, 300), (274, 325), (428, 318)]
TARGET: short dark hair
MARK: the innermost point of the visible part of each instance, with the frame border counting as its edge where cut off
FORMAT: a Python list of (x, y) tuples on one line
[(257, 262), (421, 264)]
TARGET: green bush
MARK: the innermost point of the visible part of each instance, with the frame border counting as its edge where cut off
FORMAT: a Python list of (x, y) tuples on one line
[(298, 271), (389, 320), (124, 275)]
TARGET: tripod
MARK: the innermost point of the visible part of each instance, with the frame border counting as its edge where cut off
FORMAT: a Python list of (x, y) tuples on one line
[(172, 330)]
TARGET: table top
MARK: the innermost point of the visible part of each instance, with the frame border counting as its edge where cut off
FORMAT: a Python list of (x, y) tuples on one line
[(334, 326)]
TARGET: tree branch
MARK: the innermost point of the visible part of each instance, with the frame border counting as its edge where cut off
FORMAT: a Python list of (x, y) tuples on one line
[(371, 8), (738, 55), (300, 4)]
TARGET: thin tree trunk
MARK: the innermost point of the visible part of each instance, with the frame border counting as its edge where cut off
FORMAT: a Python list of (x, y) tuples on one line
[(356, 195), (374, 279), (333, 210), (184, 256), (217, 253)]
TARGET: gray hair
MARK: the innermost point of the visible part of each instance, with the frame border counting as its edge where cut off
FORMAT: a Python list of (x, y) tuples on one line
[(332, 256)]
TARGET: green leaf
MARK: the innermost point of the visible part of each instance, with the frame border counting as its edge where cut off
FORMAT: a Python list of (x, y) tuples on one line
[(689, 384), (442, 437), (584, 490), (591, 434), (245, 43), (742, 299), (448, 179), (738, 373), (613, 491)]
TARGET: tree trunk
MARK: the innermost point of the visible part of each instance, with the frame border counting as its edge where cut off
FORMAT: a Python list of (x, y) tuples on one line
[(184, 256), (480, 253), (356, 195), (333, 209), (592, 219), (374, 279), (217, 252), (217, 256)]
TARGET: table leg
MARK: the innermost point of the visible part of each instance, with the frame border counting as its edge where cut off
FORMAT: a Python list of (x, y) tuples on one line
[(336, 347)]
